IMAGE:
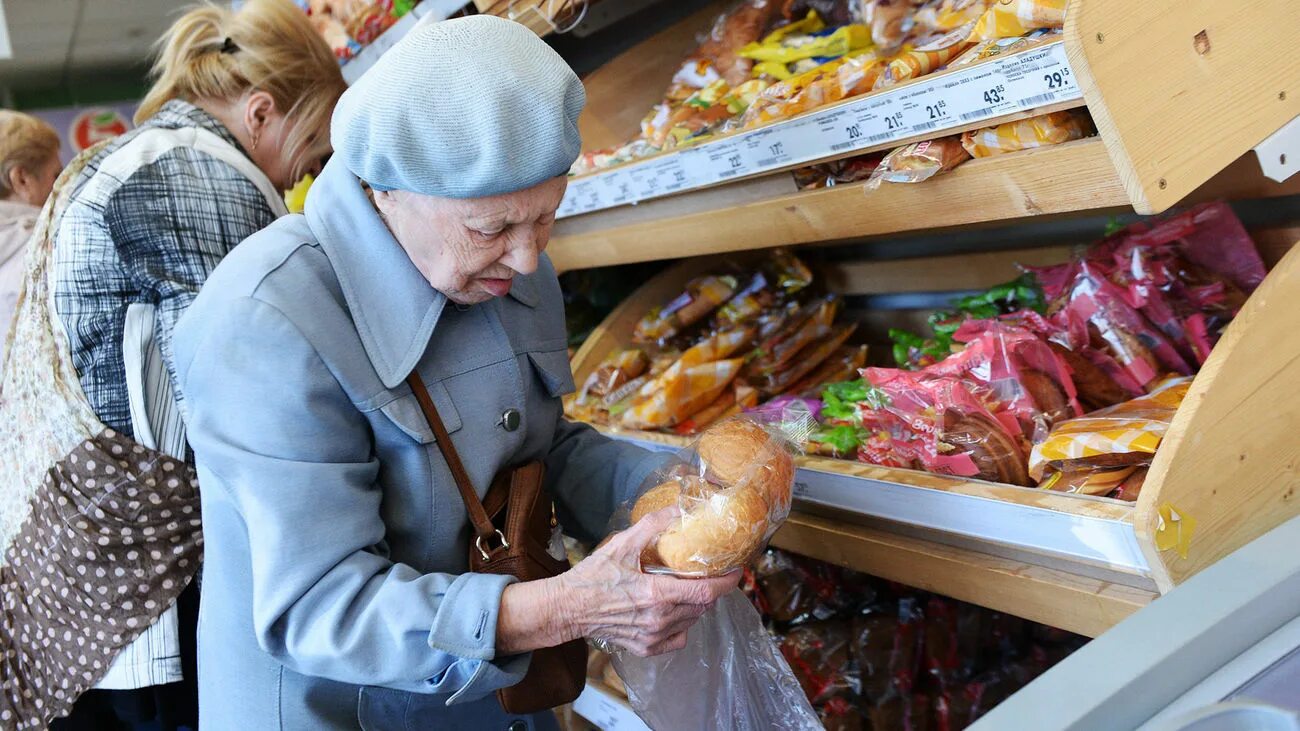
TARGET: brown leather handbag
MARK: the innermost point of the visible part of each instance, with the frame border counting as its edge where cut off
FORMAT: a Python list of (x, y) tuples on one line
[(512, 531)]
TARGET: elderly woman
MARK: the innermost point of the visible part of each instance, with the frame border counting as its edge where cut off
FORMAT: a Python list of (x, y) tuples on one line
[(336, 587)]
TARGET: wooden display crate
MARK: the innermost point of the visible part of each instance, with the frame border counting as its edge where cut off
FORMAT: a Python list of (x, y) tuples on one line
[(1226, 470), (1174, 130)]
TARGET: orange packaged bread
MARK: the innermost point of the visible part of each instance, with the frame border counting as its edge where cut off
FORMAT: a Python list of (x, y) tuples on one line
[(926, 58), (733, 401), (692, 382), (616, 370), (948, 15), (890, 20)]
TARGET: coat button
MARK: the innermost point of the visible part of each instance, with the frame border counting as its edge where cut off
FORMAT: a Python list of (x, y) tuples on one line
[(510, 419), (517, 726)]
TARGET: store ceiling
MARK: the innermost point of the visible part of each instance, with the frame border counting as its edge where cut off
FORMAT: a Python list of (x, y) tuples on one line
[(55, 41)]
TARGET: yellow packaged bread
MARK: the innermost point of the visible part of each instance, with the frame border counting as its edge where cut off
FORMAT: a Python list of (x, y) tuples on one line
[(1024, 134), (1122, 435), (1011, 18), (684, 392), (950, 14)]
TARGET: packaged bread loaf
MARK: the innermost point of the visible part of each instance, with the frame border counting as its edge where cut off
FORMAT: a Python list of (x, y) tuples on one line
[(733, 487)]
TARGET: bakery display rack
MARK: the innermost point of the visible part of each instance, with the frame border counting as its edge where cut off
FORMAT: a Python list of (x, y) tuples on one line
[(1075, 562), (1170, 133)]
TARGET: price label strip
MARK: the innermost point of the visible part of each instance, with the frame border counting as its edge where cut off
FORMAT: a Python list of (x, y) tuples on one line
[(1031, 78)]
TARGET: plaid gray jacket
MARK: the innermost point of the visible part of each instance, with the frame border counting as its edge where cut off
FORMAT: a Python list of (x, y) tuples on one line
[(150, 232)]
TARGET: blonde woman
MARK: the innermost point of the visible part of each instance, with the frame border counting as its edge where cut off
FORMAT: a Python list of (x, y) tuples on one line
[(238, 111), (29, 163)]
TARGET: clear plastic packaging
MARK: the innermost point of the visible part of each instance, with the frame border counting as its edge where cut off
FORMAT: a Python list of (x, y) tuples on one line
[(1026, 377), (733, 486), (729, 676), (701, 297), (918, 162), (941, 423)]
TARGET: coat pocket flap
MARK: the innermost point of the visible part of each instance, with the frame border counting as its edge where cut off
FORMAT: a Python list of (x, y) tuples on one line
[(404, 411), (554, 370)]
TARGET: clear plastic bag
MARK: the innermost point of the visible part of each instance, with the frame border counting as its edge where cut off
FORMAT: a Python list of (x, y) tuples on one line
[(733, 486), (730, 675)]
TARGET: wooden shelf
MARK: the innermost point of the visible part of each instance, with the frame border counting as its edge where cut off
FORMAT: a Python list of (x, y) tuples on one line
[(1073, 178), (772, 212)]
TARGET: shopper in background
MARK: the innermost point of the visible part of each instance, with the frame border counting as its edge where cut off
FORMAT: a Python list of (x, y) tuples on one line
[(238, 111), (336, 586), (29, 163)]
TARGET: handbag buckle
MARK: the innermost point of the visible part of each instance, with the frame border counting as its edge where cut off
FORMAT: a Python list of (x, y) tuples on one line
[(478, 543)]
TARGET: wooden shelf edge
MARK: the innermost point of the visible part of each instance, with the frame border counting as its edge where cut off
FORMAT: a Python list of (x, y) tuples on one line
[(1054, 597), (1076, 176)]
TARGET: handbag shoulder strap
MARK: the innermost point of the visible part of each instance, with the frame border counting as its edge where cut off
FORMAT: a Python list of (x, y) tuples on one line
[(477, 515)]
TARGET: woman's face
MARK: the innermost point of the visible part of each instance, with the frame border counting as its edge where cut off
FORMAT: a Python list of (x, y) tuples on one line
[(471, 249)]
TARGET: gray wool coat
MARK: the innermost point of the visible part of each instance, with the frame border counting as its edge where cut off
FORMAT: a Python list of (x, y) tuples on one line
[(335, 592)]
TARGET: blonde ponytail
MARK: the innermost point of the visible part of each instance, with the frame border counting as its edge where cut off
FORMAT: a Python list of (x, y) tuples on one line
[(212, 52)]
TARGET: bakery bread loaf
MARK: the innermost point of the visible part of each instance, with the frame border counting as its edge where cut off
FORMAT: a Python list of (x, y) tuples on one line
[(728, 512)]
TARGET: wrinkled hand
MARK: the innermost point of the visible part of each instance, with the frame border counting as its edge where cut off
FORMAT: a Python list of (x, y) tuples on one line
[(610, 600)]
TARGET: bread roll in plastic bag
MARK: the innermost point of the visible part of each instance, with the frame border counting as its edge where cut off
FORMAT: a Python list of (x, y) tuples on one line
[(729, 676), (733, 486), (919, 162)]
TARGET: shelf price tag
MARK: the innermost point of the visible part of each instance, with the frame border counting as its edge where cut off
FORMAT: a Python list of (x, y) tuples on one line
[(1031, 78)]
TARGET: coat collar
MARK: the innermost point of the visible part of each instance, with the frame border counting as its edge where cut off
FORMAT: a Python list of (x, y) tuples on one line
[(394, 307)]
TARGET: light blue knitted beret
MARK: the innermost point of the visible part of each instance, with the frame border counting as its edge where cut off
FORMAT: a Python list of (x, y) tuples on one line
[(463, 108)]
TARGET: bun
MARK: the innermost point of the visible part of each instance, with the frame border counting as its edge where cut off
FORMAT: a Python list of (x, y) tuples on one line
[(1096, 389), (718, 535), (994, 452), (682, 491), (740, 452), (728, 513), (1048, 395)]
